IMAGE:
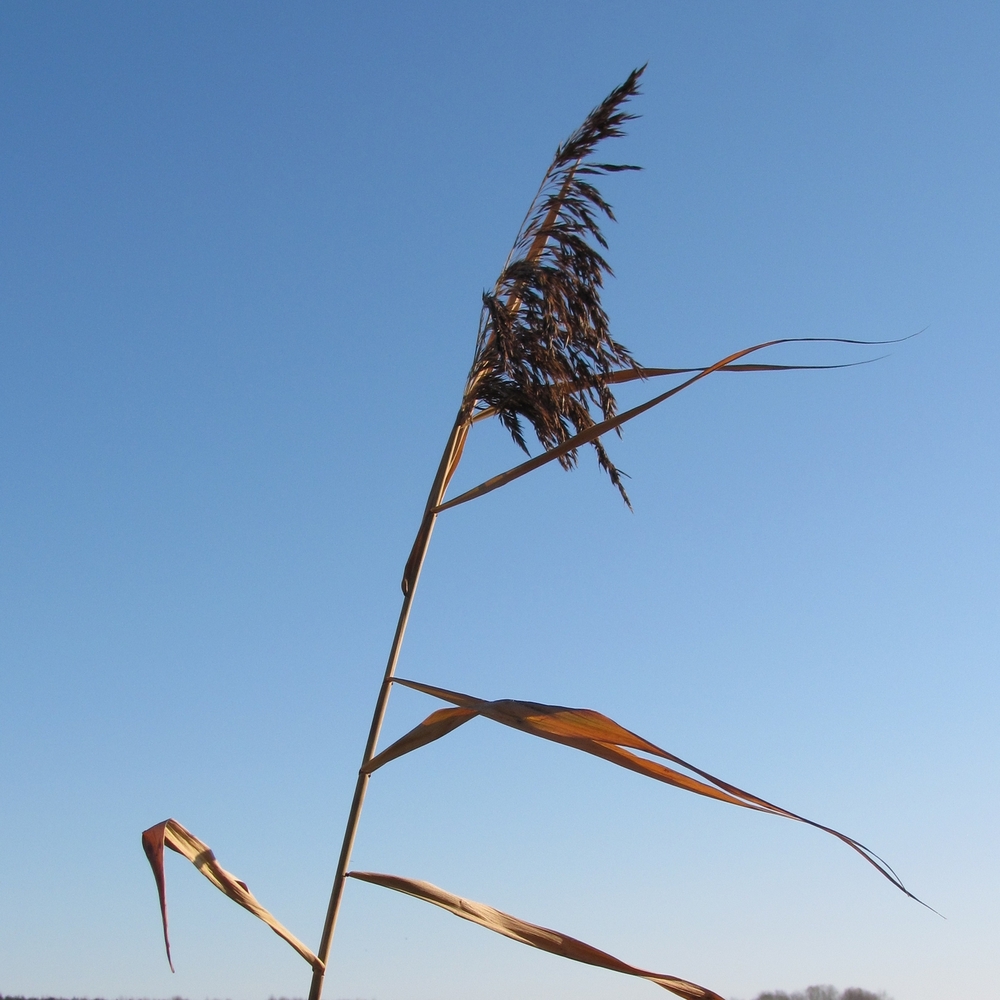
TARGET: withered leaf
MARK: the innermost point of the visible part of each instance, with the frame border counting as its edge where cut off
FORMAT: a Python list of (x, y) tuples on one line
[(171, 834), (544, 938)]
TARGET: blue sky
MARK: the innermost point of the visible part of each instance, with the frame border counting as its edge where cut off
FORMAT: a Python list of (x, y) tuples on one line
[(244, 247)]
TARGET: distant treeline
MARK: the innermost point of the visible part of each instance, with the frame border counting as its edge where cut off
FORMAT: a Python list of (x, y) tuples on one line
[(818, 993)]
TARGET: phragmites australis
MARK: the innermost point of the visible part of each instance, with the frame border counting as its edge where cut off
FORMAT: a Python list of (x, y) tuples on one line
[(544, 357)]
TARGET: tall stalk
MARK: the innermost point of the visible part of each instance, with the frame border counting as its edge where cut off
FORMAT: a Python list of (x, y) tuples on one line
[(559, 216), (553, 276), (446, 468)]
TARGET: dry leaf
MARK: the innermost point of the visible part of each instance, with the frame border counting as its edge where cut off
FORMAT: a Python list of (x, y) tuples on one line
[(174, 836), (596, 734), (595, 431), (531, 934), (639, 372)]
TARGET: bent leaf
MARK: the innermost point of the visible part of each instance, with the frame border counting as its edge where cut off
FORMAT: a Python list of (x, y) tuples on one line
[(177, 838), (593, 733), (543, 938)]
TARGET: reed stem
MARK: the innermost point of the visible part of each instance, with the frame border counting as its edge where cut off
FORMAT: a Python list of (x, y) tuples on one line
[(449, 461), (446, 469)]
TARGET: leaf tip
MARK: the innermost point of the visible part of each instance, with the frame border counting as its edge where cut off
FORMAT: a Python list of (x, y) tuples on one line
[(152, 844)]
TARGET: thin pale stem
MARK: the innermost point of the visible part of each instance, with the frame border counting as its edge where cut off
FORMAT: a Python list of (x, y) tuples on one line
[(449, 460), (446, 469)]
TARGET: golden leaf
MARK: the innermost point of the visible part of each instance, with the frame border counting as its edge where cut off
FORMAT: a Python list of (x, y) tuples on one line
[(543, 938)]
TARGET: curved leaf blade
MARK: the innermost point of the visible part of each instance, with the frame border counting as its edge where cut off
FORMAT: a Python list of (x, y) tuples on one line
[(596, 734), (543, 938), (596, 431)]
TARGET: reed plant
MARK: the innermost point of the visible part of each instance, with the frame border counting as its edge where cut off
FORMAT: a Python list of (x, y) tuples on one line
[(544, 359)]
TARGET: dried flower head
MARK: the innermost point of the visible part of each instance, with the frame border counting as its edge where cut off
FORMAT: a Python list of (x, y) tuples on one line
[(544, 350)]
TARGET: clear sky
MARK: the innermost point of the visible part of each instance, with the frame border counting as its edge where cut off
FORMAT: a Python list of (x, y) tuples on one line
[(242, 258)]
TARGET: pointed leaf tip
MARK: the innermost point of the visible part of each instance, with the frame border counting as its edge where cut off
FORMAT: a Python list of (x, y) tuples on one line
[(152, 844)]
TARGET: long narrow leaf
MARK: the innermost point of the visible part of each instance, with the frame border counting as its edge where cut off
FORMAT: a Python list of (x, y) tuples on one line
[(632, 374), (629, 375), (171, 834), (595, 431), (594, 733), (543, 938)]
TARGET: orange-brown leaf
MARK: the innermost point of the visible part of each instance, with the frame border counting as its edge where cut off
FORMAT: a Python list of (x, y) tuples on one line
[(436, 725), (593, 733), (543, 938), (171, 834), (596, 431)]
